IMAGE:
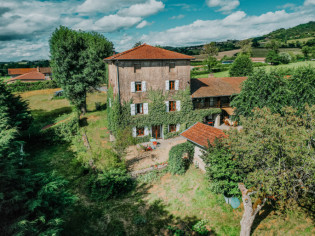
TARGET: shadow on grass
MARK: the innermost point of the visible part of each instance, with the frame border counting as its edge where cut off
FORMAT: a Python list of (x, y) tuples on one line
[(266, 210)]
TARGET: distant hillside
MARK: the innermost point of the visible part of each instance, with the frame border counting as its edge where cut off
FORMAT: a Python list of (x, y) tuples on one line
[(298, 32)]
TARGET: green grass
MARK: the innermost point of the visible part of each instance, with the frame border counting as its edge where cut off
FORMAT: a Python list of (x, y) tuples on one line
[(4, 78)]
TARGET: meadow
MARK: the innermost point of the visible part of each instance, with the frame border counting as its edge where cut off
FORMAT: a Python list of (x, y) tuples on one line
[(160, 204)]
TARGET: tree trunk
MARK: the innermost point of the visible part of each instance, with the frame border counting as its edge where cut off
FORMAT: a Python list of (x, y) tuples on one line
[(83, 107), (250, 212)]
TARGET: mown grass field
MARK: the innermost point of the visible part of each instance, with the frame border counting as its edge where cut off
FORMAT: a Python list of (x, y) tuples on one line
[(158, 201)]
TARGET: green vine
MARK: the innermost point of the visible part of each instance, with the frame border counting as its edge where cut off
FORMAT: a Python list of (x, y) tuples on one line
[(119, 115)]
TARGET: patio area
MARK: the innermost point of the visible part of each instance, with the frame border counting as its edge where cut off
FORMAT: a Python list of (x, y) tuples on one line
[(138, 159)]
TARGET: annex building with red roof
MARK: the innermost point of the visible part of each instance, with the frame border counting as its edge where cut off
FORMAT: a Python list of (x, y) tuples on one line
[(29, 74)]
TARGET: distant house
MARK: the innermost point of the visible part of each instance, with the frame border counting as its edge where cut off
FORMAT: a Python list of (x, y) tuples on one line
[(215, 93), (201, 135), (29, 74)]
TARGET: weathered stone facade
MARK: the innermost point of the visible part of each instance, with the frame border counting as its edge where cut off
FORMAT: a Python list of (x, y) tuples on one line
[(154, 72)]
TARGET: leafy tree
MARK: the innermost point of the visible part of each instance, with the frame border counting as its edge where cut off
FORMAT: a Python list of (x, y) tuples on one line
[(17, 110), (273, 45), (242, 66), (306, 50), (273, 58), (246, 46), (284, 58), (210, 62), (77, 62), (211, 49), (276, 152), (262, 89), (222, 170), (137, 44)]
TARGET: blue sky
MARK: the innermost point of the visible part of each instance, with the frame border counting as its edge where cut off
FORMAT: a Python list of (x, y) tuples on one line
[(25, 26)]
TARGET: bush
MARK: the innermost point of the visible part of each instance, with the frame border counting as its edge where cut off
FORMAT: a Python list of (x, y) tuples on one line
[(200, 227), (29, 86), (284, 57), (242, 66), (176, 163), (109, 184)]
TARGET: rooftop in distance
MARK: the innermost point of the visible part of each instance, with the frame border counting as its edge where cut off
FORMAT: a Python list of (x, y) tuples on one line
[(147, 52)]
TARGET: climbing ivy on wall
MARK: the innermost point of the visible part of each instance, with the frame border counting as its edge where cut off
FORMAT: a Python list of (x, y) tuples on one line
[(119, 115)]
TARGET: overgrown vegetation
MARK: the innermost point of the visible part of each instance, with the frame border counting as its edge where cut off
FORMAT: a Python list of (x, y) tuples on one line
[(19, 86), (180, 157)]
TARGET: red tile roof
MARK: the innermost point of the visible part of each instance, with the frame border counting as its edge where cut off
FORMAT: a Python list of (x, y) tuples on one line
[(20, 71), (146, 52), (200, 134), (213, 87), (45, 70), (29, 76)]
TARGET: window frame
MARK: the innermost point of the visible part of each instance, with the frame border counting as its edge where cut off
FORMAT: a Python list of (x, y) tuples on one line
[(171, 128), (138, 84), (140, 131), (172, 105), (171, 85), (140, 108)]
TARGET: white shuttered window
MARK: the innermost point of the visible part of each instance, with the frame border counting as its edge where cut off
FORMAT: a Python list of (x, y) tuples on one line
[(144, 86), (167, 85), (145, 108), (167, 106), (177, 127), (134, 132), (176, 84), (133, 87), (178, 105), (133, 109)]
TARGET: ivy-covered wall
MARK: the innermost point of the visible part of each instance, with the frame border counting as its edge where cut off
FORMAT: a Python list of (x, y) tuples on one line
[(119, 116)]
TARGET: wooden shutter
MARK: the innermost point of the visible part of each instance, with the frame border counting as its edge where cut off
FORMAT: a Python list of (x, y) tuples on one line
[(110, 102), (167, 85), (167, 106), (133, 87), (177, 127), (144, 86), (176, 84), (146, 131), (145, 108), (178, 105), (133, 109), (134, 132)]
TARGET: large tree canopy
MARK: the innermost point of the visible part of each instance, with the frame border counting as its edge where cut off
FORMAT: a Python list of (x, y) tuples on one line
[(275, 90), (77, 62), (242, 66)]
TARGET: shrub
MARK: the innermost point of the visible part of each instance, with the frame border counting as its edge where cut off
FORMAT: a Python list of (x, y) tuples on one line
[(111, 183), (177, 164), (29, 86), (242, 66), (284, 57), (200, 227)]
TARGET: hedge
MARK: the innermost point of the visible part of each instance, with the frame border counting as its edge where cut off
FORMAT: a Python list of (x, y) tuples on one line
[(29, 86), (176, 163)]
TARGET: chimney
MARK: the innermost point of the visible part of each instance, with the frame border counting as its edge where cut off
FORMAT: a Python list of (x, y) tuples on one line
[(37, 68)]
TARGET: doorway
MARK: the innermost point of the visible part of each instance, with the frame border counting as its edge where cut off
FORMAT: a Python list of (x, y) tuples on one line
[(157, 131)]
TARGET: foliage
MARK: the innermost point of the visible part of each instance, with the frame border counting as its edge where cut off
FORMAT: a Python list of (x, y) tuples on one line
[(200, 227), (119, 115), (246, 46), (284, 58), (273, 45), (139, 43), (222, 170), (111, 183), (177, 163), (276, 153), (306, 50), (275, 90), (17, 110), (242, 66), (77, 62), (273, 58), (210, 62), (19, 86), (210, 49)]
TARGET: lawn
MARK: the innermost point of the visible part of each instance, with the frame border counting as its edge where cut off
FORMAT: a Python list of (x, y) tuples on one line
[(158, 200), (268, 68)]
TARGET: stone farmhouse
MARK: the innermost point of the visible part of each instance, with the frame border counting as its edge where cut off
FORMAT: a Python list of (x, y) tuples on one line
[(135, 72)]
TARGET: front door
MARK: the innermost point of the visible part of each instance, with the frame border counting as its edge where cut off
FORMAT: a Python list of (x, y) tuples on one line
[(156, 131)]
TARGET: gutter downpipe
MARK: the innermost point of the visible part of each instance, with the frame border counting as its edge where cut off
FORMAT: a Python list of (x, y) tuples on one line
[(118, 81)]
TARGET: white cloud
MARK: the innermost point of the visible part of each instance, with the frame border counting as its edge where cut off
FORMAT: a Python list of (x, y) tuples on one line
[(225, 5), (106, 5), (309, 2), (113, 23), (237, 25), (177, 17), (146, 9), (143, 24)]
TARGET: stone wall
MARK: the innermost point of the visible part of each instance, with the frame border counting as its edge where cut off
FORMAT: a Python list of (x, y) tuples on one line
[(197, 160), (154, 72)]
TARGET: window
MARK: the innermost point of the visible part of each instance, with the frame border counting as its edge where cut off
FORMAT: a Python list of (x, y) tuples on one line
[(172, 85), (172, 128), (137, 67), (172, 106), (140, 131), (138, 86), (139, 108)]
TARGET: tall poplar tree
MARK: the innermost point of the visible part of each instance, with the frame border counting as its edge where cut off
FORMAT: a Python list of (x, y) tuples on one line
[(77, 62)]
